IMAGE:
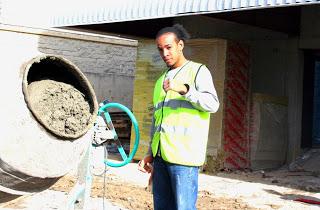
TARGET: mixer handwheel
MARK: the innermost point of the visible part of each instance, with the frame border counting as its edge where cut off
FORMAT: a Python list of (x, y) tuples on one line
[(125, 158)]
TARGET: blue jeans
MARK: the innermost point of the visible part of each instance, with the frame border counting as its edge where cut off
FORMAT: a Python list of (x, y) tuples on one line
[(175, 187)]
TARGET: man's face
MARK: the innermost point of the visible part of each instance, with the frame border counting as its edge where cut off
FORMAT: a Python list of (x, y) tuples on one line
[(170, 49)]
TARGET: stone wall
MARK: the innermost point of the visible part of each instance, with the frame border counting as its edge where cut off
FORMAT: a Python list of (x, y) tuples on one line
[(109, 65), (107, 61)]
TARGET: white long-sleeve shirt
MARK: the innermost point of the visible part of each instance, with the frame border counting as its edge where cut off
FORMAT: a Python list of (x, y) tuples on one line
[(202, 96)]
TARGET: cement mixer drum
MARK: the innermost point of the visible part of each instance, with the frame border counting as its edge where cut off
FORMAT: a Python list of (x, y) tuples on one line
[(47, 115)]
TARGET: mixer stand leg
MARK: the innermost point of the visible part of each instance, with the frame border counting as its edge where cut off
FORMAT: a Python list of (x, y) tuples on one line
[(79, 196)]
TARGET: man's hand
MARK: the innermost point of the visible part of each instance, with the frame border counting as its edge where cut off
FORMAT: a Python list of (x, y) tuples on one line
[(145, 165), (174, 86)]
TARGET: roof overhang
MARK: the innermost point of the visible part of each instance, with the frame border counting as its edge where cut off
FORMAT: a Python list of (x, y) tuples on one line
[(70, 13)]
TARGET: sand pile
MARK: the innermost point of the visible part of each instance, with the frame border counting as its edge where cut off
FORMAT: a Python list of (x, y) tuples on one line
[(60, 106)]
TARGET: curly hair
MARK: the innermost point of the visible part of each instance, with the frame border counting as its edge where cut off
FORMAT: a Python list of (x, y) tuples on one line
[(177, 29)]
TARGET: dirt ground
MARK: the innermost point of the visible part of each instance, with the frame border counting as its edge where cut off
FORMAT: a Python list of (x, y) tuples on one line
[(126, 189), (255, 190), (133, 196)]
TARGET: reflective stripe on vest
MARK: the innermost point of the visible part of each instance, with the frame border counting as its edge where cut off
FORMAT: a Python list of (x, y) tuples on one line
[(174, 104), (181, 130)]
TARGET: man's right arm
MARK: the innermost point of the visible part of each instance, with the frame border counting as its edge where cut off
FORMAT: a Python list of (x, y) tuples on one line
[(145, 164)]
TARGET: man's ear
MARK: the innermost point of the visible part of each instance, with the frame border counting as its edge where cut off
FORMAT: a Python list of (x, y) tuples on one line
[(181, 45)]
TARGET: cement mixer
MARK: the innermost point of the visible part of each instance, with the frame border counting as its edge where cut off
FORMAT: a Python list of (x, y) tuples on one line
[(43, 138), (34, 151)]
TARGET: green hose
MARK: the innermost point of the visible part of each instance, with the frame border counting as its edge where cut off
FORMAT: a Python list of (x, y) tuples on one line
[(126, 159)]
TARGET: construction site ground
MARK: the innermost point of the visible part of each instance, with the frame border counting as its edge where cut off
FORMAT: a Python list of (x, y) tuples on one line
[(127, 188)]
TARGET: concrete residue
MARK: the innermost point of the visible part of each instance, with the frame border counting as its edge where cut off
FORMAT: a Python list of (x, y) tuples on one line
[(308, 161), (60, 106)]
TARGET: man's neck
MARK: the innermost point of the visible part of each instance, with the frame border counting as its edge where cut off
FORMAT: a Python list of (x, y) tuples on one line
[(180, 64)]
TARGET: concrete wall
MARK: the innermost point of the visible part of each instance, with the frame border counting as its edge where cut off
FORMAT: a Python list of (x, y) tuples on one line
[(276, 71), (274, 59), (277, 61), (287, 59), (309, 39), (269, 67), (310, 27), (203, 27), (268, 49)]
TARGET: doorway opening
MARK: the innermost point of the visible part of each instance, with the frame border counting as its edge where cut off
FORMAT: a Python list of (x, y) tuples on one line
[(311, 100)]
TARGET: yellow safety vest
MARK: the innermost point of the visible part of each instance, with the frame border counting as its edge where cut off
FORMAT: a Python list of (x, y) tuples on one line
[(180, 130)]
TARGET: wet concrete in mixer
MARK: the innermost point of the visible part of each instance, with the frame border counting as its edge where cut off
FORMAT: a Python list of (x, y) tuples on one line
[(60, 106)]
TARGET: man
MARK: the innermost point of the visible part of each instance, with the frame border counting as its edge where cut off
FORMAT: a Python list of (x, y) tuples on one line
[(184, 96)]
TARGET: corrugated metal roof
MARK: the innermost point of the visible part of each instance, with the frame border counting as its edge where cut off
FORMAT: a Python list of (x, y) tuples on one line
[(83, 12), (129, 10)]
